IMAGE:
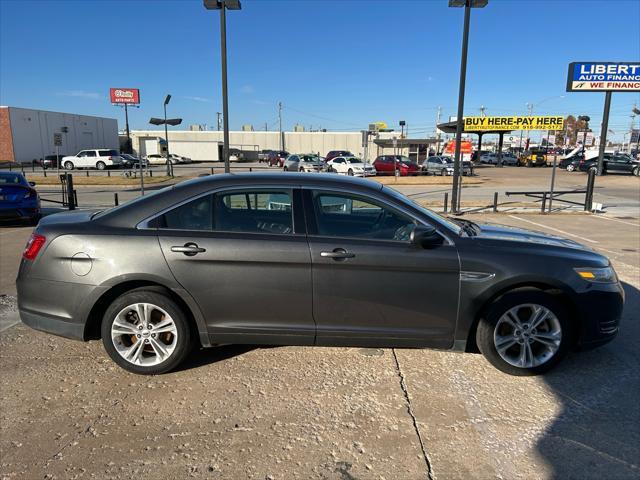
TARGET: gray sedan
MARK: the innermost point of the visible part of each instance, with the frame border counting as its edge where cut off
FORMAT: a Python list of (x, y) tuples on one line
[(443, 165), (304, 163), (292, 259)]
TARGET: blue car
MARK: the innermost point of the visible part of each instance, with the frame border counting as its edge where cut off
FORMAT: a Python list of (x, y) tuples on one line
[(19, 201)]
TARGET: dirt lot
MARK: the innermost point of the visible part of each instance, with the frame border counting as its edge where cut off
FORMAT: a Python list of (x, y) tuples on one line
[(329, 413)]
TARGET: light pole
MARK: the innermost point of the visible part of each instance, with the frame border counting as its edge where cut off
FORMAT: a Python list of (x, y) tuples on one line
[(468, 5), (223, 5), (165, 122), (166, 135)]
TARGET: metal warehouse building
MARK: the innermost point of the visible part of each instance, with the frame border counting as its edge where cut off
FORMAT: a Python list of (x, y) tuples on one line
[(207, 145), (27, 135)]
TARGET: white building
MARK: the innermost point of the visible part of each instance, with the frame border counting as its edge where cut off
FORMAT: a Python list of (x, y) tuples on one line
[(207, 145), (27, 135)]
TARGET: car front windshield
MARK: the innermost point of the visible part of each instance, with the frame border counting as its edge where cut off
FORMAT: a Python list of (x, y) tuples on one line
[(429, 213)]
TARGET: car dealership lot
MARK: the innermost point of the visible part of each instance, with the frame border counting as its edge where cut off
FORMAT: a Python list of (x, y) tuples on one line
[(298, 412)]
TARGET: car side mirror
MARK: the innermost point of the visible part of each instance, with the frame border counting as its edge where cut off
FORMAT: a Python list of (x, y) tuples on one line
[(425, 237), (33, 184)]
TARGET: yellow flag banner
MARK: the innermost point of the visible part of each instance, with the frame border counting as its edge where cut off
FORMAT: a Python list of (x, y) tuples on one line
[(472, 124)]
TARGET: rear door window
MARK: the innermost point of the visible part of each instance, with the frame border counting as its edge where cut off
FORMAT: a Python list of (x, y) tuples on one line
[(251, 211)]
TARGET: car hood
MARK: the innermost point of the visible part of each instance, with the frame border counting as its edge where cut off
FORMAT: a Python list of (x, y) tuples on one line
[(513, 234)]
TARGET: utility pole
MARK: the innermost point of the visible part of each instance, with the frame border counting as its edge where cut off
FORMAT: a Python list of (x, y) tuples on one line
[(530, 108), (633, 122), (437, 131), (219, 115), (266, 127), (280, 122)]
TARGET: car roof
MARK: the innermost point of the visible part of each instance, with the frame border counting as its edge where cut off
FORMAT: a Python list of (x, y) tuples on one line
[(128, 215)]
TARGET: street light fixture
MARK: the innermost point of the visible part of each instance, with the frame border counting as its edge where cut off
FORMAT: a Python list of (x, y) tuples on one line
[(468, 5), (223, 5)]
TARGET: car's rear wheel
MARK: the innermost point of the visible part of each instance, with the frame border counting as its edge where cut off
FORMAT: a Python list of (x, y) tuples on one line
[(68, 165), (636, 171), (350, 172), (145, 332), (594, 169), (525, 333), (570, 168), (101, 165)]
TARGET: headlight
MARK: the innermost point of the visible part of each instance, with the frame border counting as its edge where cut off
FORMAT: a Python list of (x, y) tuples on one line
[(598, 275)]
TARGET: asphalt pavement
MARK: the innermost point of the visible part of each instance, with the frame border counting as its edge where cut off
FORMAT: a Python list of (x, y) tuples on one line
[(66, 411)]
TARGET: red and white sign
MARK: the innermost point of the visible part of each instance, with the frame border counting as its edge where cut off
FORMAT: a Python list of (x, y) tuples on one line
[(125, 95)]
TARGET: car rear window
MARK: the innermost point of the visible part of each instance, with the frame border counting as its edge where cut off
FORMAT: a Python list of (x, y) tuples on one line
[(10, 179), (108, 153)]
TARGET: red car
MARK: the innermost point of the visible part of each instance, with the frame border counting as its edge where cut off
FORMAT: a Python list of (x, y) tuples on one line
[(387, 164), (277, 158)]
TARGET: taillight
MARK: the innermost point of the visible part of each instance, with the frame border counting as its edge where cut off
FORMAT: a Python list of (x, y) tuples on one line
[(31, 194), (33, 247)]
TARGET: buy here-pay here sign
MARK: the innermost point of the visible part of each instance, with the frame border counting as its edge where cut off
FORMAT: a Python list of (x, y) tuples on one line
[(513, 123)]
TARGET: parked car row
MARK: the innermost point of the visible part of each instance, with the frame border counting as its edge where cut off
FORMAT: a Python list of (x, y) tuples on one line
[(611, 163)]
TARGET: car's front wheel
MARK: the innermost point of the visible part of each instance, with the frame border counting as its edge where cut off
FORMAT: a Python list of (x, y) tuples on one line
[(570, 168), (525, 333), (636, 171), (145, 332)]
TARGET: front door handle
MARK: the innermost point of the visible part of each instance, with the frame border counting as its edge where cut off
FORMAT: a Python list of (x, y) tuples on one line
[(338, 254), (189, 249)]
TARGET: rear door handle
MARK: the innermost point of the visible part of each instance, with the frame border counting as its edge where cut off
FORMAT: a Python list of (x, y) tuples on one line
[(338, 254), (189, 249)]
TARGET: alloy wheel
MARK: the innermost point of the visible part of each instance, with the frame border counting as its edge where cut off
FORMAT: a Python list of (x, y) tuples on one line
[(144, 334), (527, 335)]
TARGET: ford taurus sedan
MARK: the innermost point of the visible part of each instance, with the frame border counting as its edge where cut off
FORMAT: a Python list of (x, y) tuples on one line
[(295, 259)]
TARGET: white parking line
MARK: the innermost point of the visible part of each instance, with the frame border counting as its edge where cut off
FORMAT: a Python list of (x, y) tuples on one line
[(555, 229), (617, 220)]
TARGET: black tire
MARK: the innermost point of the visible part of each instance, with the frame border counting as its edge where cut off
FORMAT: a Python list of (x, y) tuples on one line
[(350, 172), (570, 168), (487, 325), (184, 341), (285, 169), (636, 171), (594, 169), (101, 165), (443, 172), (301, 169), (68, 165)]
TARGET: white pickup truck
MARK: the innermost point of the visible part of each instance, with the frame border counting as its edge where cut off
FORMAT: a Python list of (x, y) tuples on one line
[(99, 158)]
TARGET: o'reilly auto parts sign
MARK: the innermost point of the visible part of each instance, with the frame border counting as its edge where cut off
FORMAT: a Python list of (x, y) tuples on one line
[(603, 77), (125, 95)]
